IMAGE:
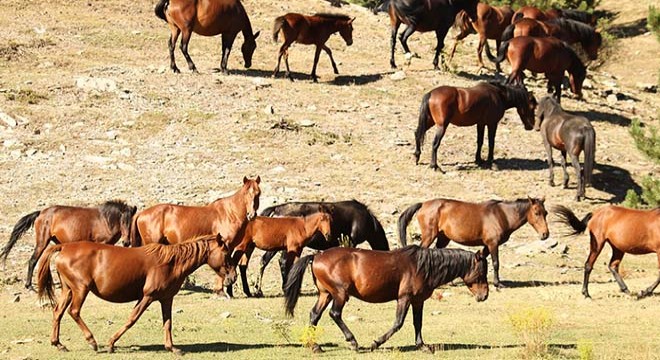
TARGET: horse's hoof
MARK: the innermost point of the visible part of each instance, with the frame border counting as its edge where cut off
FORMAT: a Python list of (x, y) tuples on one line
[(111, 349), (258, 294), (316, 349), (551, 183), (494, 166), (354, 346), (642, 294), (374, 346), (498, 285), (61, 348), (176, 70), (94, 346), (425, 348), (176, 351)]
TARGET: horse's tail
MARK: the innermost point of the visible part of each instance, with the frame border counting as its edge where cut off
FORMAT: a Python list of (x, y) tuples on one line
[(501, 52), (424, 119), (463, 23), (589, 154), (160, 9), (294, 283), (23, 225), (566, 216), (277, 26), (135, 237), (380, 240), (45, 278), (507, 34), (268, 211), (404, 220)]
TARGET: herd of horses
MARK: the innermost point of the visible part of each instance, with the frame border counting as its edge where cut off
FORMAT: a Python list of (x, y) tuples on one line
[(165, 243)]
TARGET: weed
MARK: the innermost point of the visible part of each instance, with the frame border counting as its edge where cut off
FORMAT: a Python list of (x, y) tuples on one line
[(533, 326), (585, 349), (25, 96), (310, 335), (653, 21), (282, 330)]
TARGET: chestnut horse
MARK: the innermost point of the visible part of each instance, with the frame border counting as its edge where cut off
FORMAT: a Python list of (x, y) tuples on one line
[(281, 233), (151, 273), (308, 30), (105, 224), (207, 18), (577, 15), (566, 30), (482, 105), (488, 224), (569, 134), (423, 16), (411, 275), (546, 55), (626, 230), (491, 22)]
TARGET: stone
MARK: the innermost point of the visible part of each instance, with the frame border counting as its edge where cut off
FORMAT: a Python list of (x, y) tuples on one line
[(98, 84), (612, 99), (647, 87), (306, 123), (399, 75), (16, 299), (225, 315), (268, 110), (10, 121)]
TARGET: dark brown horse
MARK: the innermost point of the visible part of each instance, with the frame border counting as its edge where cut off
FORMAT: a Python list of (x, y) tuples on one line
[(105, 224), (310, 30), (626, 230), (150, 273), (482, 105), (577, 15), (546, 55), (407, 275), (423, 16), (488, 224), (491, 22), (280, 233), (570, 31), (207, 18), (569, 134)]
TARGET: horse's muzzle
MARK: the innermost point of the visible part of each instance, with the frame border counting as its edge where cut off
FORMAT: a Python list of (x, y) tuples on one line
[(349, 43), (545, 235), (251, 216), (481, 298)]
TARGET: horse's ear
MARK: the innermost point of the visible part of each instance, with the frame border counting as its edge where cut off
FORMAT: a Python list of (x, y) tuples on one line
[(258, 179), (256, 35), (245, 179), (134, 210), (351, 20), (542, 199)]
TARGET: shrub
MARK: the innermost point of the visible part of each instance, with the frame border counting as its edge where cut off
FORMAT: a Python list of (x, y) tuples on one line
[(310, 335), (533, 326), (650, 146), (585, 350), (653, 21)]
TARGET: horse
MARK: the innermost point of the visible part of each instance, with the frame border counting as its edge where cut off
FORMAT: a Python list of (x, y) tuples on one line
[(570, 31), (482, 105), (207, 18), (488, 224), (107, 224), (172, 224), (491, 22), (411, 276), (531, 12), (570, 134), (626, 230), (150, 273), (273, 234), (351, 220), (423, 16), (308, 30), (543, 55)]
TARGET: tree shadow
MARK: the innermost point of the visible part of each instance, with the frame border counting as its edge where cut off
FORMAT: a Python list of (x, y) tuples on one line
[(594, 115), (615, 181), (629, 29), (355, 79)]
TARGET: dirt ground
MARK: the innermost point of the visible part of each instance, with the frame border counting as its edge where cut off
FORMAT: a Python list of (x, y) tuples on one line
[(99, 116)]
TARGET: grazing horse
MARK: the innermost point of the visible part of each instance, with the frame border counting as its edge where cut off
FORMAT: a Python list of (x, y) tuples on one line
[(105, 224), (543, 55), (207, 18), (150, 273), (570, 31), (569, 134), (626, 230), (488, 224), (491, 22), (482, 105), (426, 15), (407, 275), (351, 219), (172, 224), (531, 12), (291, 234), (308, 30)]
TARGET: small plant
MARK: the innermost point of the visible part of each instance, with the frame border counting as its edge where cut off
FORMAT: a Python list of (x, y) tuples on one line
[(649, 145), (585, 349), (533, 326), (653, 21), (25, 96), (309, 335), (282, 329)]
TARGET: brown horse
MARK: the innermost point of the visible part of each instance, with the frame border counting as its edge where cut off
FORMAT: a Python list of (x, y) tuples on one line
[(488, 224), (577, 15), (482, 105), (491, 22), (171, 224), (207, 18), (626, 230), (105, 224), (151, 273), (569, 134), (546, 55), (566, 30), (279, 233), (407, 275), (310, 30)]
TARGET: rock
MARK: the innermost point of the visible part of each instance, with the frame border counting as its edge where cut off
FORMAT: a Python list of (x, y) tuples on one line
[(612, 99), (10, 121), (30, 152), (587, 84), (16, 299), (62, 148), (178, 311), (647, 87), (268, 110), (399, 75), (306, 123), (225, 315), (125, 152), (538, 246), (111, 134), (99, 84), (353, 318), (278, 169), (10, 143)]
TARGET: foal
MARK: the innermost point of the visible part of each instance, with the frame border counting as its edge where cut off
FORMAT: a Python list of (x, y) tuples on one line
[(308, 30)]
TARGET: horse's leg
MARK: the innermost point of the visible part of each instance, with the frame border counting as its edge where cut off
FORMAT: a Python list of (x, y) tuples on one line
[(283, 50), (171, 43), (480, 142), (236, 258), (316, 312), (395, 29), (317, 53), (227, 42), (494, 255), (403, 37), (402, 306), (551, 163), (265, 260), (286, 62), (498, 69), (166, 311), (442, 241), (78, 298), (283, 270), (650, 289), (439, 133), (418, 313), (58, 312), (492, 130), (440, 44), (429, 233), (595, 249), (335, 313), (245, 260), (138, 310), (332, 60), (292, 255), (185, 39), (480, 50), (563, 167), (578, 175), (42, 243), (617, 255)]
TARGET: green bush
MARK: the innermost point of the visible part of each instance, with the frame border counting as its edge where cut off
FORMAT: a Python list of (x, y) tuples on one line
[(650, 146), (585, 5), (653, 21)]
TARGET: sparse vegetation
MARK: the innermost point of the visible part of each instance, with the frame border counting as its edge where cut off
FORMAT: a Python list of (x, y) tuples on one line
[(650, 186), (585, 349), (25, 96), (533, 326), (309, 335), (653, 21)]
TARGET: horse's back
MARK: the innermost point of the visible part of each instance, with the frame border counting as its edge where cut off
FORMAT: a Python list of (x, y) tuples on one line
[(630, 230), (213, 17), (175, 223), (539, 54)]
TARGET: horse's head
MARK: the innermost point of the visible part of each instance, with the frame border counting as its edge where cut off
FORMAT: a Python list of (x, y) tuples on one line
[(346, 31), (220, 260), (592, 46), (526, 108), (477, 280), (546, 104), (249, 45), (251, 193), (125, 225), (325, 222), (536, 217)]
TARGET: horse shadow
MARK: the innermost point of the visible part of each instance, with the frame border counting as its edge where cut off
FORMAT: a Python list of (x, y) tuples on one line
[(482, 77), (356, 79), (461, 346), (629, 29), (615, 181), (220, 346), (521, 164), (594, 115), (259, 73)]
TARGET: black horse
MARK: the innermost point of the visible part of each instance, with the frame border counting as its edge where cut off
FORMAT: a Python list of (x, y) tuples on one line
[(426, 15), (351, 220)]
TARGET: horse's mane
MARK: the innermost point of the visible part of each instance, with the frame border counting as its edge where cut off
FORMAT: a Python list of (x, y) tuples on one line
[(439, 264), (332, 16), (113, 210), (181, 256), (578, 15), (516, 95), (584, 31), (576, 66)]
